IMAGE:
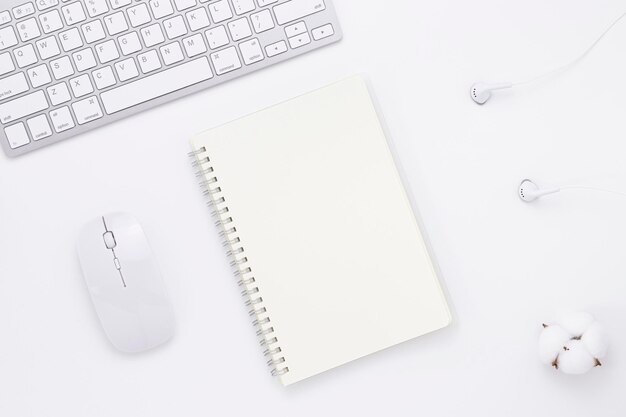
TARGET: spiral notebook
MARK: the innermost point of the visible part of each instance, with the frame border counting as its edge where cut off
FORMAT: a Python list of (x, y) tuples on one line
[(322, 236)]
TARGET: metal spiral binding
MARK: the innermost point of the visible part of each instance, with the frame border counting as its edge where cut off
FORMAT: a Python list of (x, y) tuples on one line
[(239, 262)]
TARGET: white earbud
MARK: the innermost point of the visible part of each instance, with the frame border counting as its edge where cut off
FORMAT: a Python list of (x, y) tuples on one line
[(481, 92), (528, 191)]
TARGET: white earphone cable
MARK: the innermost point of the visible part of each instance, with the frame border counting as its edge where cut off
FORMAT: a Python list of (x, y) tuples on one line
[(586, 188), (576, 61)]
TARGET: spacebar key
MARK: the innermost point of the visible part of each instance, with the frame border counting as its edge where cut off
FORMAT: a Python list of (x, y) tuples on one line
[(156, 85)]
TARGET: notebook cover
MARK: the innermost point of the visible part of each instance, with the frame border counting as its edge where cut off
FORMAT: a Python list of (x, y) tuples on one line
[(321, 231)]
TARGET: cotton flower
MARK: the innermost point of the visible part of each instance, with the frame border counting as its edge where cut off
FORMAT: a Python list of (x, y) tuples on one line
[(574, 344)]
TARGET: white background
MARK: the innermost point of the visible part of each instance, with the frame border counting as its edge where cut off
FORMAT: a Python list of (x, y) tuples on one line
[(508, 266)]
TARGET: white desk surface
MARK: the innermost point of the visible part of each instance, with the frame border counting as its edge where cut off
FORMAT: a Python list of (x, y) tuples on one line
[(507, 266)]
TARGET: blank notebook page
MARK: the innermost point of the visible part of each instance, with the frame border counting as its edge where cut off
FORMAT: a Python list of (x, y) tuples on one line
[(326, 228)]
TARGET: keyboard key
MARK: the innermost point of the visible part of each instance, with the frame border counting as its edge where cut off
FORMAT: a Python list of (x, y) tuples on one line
[(70, 39), (217, 37), (25, 56), (97, 7), (7, 38), (46, 4), (263, 3), (116, 4), (48, 47), (295, 29), (220, 11), (323, 32), (103, 78), (17, 135), (300, 41), (139, 15), (28, 29), (62, 67), (126, 69), (184, 4), (50, 21), (39, 75), (251, 51), (226, 61), (93, 31), (239, 29), (59, 94), (39, 127), (116, 23), (276, 49), (107, 51), (5, 17), (175, 27), (172, 53), (62, 119), (243, 6), (194, 45), (156, 85), (24, 10), (23, 106), (149, 61), (129, 43), (262, 21), (198, 19), (152, 35), (84, 59), (81, 86), (6, 63), (73, 13), (161, 8), (13, 85), (87, 110), (297, 9)]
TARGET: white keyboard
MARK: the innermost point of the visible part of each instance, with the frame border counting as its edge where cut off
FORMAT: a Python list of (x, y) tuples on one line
[(68, 66)]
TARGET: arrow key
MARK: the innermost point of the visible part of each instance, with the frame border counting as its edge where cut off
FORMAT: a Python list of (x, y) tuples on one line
[(299, 41), (323, 32), (276, 49)]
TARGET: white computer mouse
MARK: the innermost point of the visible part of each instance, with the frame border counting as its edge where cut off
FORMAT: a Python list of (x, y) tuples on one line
[(125, 283)]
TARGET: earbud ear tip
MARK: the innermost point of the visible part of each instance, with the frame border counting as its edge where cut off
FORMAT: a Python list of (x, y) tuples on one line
[(479, 93), (527, 191)]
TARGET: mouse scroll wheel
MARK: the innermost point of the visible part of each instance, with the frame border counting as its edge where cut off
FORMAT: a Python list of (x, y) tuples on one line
[(109, 240)]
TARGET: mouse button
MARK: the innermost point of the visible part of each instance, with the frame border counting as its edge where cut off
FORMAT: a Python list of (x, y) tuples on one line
[(132, 247), (109, 240), (120, 222)]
